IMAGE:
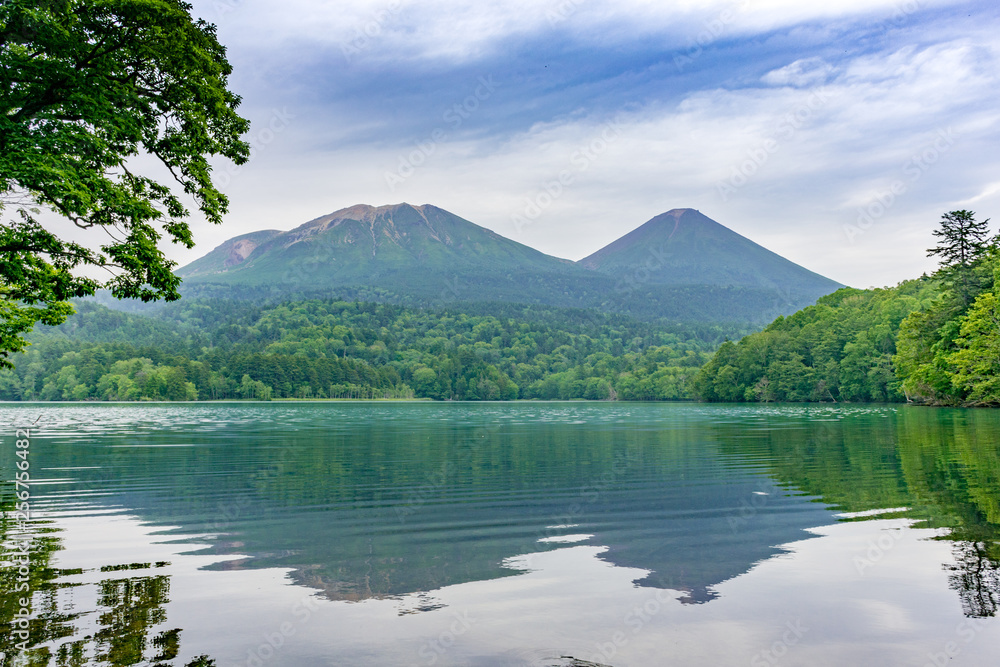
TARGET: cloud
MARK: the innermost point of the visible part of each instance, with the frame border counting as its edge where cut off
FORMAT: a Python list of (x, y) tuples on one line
[(468, 29), (818, 108), (989, 191), (386, 72), (801, 73)]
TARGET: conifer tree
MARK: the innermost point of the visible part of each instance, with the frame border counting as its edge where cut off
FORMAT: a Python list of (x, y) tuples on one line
[(963, 242)]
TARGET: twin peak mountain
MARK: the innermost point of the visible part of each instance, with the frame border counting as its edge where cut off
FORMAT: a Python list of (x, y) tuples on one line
[(680, 266)]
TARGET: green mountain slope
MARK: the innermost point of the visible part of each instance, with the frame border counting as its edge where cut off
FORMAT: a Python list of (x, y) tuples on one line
[(367, 245), (933, 340), (228, 255), (684, 247), (426, 256), (841, 349)]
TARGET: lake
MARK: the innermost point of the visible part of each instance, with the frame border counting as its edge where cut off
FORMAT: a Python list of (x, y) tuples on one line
[(521, 534)]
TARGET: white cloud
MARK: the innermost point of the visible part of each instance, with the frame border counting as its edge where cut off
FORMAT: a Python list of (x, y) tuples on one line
[(841, 134), (467, 29), (990, 191), (801, 73)]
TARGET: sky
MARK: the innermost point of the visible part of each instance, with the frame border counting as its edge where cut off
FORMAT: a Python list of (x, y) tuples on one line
[(833, 133)]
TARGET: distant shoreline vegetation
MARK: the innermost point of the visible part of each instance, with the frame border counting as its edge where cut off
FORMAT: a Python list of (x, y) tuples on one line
[(217, 350), (932, 341)]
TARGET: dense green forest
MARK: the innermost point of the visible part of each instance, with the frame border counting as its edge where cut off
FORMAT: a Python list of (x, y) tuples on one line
[(934, 340), (215, 349), (841, 349)]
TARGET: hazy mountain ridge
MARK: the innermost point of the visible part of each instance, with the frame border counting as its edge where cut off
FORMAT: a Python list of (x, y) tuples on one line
[(227, 255), (364, 241), (685, 247), (680, 266)]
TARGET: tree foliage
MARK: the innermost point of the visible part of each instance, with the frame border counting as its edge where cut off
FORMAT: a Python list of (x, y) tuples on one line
[(90, 91), (963, 239), (977, 357), (934, 340), (339, 349), (933, 366), (841, 349), (962, 245)]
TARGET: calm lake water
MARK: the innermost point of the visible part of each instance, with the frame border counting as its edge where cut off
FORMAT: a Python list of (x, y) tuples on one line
[(274, 534)]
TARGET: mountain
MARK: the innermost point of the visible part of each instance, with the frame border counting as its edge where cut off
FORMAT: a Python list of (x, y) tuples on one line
[(418, 251), (680, 266), (229, 254), (362, 242), (684, 247)]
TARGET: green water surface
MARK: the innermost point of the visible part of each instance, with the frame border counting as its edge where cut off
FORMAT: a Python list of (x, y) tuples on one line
[(504, 534)]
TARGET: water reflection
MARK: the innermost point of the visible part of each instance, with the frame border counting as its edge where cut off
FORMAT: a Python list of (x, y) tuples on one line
[(976, 577), (47, 622), (128, 613), (943, 465), (396, 503)]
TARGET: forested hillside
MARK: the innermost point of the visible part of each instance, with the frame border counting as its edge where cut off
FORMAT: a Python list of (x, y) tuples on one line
[(681, 266), (317, 349), (841, 349), (934, 340)]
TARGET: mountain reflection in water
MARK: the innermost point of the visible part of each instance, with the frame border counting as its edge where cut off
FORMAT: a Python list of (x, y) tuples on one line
[(393, 501)]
